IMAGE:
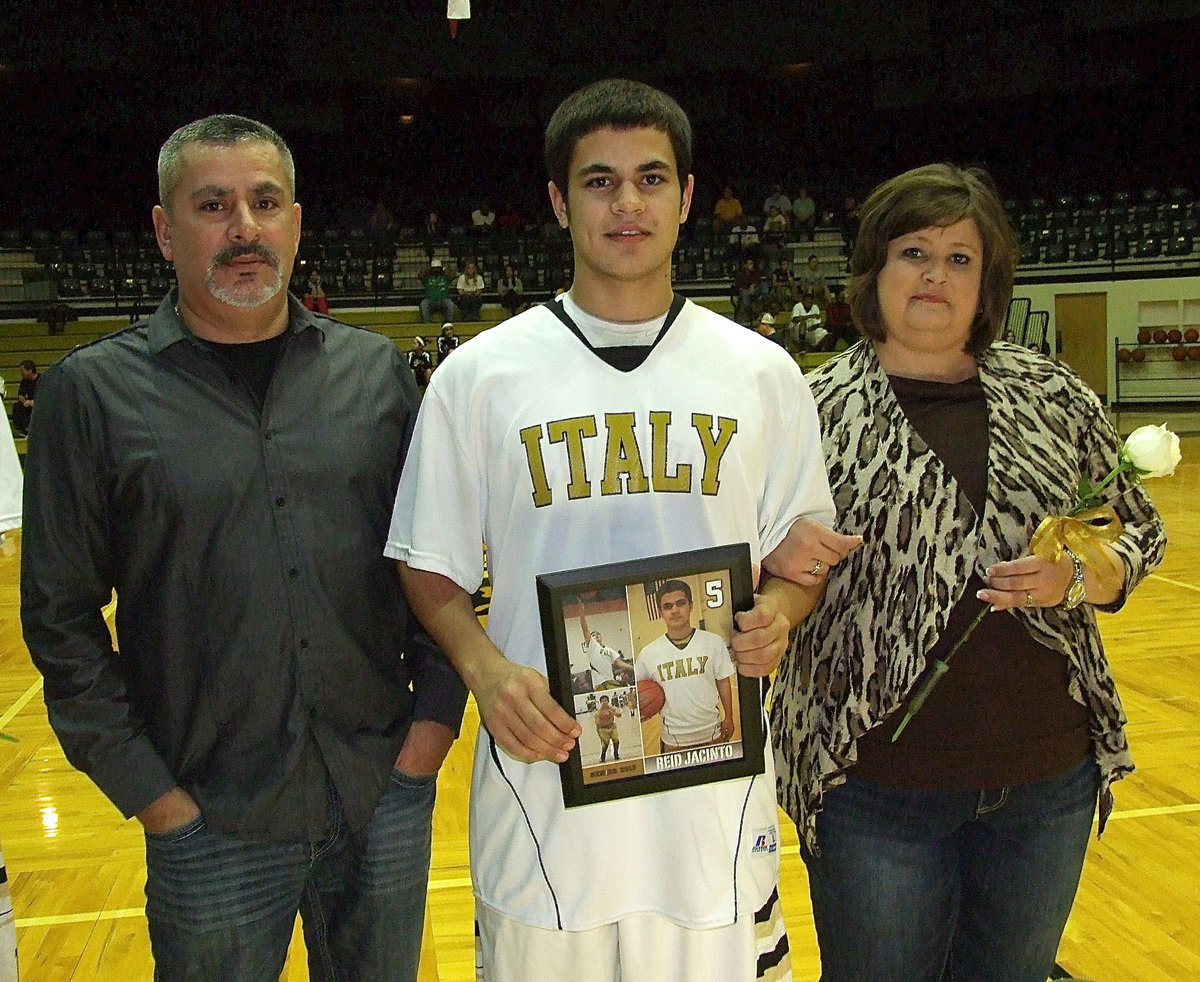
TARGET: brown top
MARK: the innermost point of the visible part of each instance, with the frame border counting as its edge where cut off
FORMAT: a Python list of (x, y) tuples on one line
[(1002, 714)]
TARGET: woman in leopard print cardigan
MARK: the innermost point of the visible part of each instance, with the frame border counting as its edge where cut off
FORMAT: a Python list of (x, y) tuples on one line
[(956, 848)]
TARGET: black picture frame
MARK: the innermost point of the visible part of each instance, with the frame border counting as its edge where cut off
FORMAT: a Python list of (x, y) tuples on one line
[(607, 697)]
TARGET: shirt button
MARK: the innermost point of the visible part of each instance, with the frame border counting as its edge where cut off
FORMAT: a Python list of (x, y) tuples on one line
[(293, 572), (304, 642), (279, 501)]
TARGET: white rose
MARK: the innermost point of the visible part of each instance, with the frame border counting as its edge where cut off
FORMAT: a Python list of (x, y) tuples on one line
[(1153, 450)]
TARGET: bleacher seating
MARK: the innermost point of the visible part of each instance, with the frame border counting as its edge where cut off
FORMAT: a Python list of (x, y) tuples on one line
[(103, 270)]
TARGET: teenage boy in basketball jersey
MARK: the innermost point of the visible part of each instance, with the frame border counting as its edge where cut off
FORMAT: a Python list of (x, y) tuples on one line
[(606, 729), (605, 662), (604, 427), (695, 671)]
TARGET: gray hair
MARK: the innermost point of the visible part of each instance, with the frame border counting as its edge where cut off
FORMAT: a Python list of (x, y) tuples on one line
[(222, 130)]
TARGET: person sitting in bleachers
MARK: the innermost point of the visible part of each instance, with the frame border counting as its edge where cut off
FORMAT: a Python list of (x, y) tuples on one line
[(437, 293), (780, 201), (420, 361), (783, 285), (447, 342), (811, 278), (470, 286), (745, 292), (804, 213), (510, 290), (26, 395), (727, 212), (838, 319), (314, 293)]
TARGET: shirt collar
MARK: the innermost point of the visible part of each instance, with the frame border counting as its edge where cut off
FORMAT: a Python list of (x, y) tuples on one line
[(165, 327)]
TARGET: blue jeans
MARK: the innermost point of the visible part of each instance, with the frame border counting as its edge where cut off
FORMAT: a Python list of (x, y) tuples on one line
[(222, 909), (948, 886), (446, 306)]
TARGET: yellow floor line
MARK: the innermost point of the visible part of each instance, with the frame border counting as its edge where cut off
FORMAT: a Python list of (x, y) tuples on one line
[(1193, 806), (1167, 579), (21, 703), (53, 920)]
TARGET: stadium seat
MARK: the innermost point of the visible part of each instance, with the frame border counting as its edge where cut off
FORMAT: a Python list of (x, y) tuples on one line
[(1087, 251), (1056, 252), (1148, 249), (1179, 245)]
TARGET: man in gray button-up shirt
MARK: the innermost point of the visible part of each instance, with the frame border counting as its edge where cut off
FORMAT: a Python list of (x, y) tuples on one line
[(273, 716)]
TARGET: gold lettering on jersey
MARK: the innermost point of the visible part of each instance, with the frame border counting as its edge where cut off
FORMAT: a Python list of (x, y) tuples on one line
[(624, 462), (572, 432), (622, 456), (531, 436), (682, 668), (714, 447), (681, 480)]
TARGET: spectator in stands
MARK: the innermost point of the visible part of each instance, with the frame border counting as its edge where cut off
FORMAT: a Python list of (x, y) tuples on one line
[(382, 223), (811, 279), (783, 285), (447, 342), (766, 327), (727, 212), (26, 394), (839, 319), (509, 220), (806, 327), (437, 293), (420, 361), (510, 290), (743, 237), (778, 199), (432, 229), (745, 291), (848, 220), (483, 220), (774, 236), (804, 213), (469, 287), (314, 293)]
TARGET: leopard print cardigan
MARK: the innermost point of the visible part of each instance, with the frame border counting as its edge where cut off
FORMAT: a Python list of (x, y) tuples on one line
[(859, 653)]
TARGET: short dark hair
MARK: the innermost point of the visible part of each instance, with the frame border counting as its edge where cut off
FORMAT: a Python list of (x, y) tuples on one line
[(223, 129), (934, 195), (672, 586), (29, 365), (623, 105)]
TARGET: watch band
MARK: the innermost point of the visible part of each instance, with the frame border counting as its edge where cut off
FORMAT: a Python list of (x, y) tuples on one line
[(1076, 590)]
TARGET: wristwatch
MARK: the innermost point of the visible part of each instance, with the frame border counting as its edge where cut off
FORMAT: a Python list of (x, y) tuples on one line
[(1076, 591)]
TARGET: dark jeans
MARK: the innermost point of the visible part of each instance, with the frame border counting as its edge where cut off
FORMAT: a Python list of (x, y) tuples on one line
[(470, 304), (948, 886), (222, 909)]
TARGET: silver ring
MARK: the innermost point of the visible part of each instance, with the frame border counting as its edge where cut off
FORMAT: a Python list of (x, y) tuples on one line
[(1028, 598), (816, 570)]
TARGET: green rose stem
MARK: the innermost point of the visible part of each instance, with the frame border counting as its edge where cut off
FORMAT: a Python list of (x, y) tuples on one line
[(10, 739), (1089, 495), (939, 668)]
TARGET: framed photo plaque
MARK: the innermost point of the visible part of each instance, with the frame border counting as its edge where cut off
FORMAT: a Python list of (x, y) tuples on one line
[(639, 654)]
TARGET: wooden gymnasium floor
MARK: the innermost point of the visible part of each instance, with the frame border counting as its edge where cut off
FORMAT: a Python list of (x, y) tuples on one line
[(76, 868)]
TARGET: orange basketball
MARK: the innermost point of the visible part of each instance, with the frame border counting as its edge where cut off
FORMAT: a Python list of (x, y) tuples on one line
[(650, 698)]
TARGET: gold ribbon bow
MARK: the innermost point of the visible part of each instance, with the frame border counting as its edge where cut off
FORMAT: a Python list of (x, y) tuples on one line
[(1083, 534)]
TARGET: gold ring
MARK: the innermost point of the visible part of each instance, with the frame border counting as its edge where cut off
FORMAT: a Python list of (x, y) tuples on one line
[(816, 570), (1028, 598)]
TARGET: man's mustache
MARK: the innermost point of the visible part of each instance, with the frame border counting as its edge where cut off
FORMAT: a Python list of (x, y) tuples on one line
[(230, 253)]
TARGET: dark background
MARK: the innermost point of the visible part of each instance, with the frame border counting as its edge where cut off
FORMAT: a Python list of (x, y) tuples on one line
[(1051, 96)]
